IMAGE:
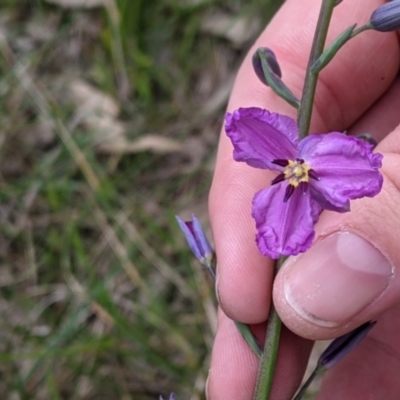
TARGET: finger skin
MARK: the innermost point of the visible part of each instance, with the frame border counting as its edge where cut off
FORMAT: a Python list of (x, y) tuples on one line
[(383, 117), (244, 276)]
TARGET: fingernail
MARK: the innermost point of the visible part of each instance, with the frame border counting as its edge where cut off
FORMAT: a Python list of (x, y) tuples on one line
[(336, 279)]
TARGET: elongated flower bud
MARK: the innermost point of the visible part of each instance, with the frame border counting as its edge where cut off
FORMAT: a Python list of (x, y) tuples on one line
[(341, 346), (269, 56), (386, 18), (196, 239), (268, 71), (368, 138), (171, 397)]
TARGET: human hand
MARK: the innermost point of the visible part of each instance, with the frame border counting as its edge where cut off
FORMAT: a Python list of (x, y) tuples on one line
[(348, 276)]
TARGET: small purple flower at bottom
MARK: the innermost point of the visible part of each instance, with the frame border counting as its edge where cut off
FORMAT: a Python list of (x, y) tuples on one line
[(321, 171), (171, 397), (196, 239)]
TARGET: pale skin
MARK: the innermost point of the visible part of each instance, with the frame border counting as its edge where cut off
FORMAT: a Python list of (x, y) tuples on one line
[(358, 92)]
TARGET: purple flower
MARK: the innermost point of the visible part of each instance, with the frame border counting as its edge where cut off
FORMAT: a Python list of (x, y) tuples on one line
[(196, 239), (386, 18), (321, 171)]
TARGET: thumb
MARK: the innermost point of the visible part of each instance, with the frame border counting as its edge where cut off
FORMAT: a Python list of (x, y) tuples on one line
[(350, 275)]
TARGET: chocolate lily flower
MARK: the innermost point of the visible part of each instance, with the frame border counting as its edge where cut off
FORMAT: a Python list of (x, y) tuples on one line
[(321, 171)]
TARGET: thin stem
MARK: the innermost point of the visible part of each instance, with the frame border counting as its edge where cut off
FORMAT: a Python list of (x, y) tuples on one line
[(268, 359), (308, 382), (269, 356), (361, 29), (310, 84), (211, 266)]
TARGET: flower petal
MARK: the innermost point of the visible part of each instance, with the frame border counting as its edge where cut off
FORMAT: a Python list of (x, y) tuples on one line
[(346, 166), (318, 196), (258, 137), (284, 227)]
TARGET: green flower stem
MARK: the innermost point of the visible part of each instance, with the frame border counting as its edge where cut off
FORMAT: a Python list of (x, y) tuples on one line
[(310, 84), (337, 44), (251, 340), (244, 329), (268, 359), (361, 29), (211, 266), (330, 52), (304, 388)]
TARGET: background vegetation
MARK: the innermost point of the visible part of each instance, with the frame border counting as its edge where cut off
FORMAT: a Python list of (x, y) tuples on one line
[(109, 118)]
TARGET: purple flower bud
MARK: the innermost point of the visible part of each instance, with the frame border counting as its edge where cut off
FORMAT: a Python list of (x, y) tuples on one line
[(386, 18), (341, 346), (269, 56), (196, 238), (171, 397), (368, 138)]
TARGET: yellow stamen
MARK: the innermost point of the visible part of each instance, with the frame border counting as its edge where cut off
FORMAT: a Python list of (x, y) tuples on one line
[(296, 172)]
